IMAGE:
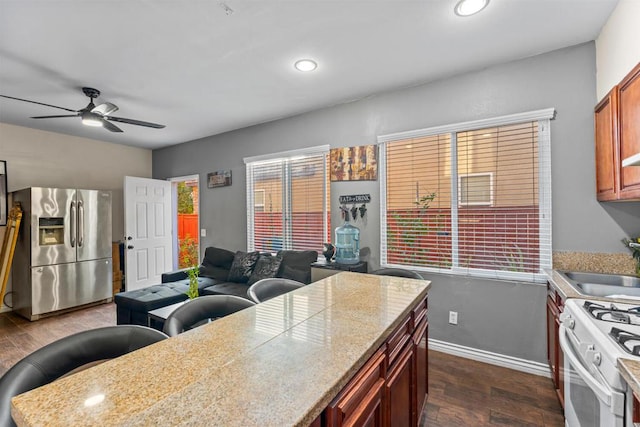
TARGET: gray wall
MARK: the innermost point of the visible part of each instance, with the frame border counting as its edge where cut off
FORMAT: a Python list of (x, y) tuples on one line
[(503, 317)]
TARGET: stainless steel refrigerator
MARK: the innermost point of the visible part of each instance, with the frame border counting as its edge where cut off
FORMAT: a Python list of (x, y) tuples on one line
[(63, 254)]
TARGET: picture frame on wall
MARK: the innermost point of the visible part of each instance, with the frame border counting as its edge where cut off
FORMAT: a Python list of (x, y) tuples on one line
[(221, 178), (354, 163)]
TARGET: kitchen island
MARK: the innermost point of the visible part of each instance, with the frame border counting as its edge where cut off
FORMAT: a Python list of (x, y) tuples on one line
[(283, 362)]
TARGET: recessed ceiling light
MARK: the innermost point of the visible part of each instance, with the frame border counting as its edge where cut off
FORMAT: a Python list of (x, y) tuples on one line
[(470, 7), (305, 65)]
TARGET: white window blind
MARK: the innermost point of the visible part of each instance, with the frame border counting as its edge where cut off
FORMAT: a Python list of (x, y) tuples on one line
[(288, 201), (498, 224)]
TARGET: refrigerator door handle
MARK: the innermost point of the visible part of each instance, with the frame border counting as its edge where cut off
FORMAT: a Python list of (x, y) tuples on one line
[(72, 229), (80, 224)]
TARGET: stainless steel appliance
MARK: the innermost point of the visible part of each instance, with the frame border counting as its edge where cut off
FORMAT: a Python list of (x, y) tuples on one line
[(593, 336), (63, 254)]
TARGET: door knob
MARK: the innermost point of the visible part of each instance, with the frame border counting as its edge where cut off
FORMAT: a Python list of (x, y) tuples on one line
[(129, 238), (130, 247)]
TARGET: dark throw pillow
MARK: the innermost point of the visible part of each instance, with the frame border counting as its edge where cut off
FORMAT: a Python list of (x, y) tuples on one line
[(266, 267), (242, 266)]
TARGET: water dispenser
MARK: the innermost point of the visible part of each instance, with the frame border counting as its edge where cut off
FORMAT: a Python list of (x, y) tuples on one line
[(347, 243)]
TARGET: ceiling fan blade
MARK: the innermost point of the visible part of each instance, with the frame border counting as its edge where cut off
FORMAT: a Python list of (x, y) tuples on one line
[(110, 126), (39, 103), (134, 122), (105, 109), (54, 117)]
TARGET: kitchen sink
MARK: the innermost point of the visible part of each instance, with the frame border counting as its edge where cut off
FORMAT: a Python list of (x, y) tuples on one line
[(602, 285)]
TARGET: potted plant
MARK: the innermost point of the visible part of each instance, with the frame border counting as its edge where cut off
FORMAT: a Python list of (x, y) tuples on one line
[(193, 273), (634, 246)]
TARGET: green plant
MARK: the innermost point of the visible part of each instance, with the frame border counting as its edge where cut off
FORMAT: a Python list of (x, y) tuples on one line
[(193, 274), (634, 246), (185, 198), (188, 255)]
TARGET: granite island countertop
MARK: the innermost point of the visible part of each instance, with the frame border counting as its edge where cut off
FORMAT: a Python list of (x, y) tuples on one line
[(278, 363)]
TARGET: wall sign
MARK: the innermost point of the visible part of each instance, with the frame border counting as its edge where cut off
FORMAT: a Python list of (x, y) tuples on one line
[(355, 198), (219, 179)]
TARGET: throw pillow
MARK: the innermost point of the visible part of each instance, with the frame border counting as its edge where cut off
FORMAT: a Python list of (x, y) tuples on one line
[(266, 267), (242, 266)]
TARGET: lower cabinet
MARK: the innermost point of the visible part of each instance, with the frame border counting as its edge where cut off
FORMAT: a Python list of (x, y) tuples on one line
[(391, 388), (554, 353)]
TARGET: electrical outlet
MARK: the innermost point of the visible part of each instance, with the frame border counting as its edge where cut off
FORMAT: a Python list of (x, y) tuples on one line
[(453, 317), (203, 232)]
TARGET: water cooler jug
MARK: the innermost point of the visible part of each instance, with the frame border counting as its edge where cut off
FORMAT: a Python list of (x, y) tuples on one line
[(347, 244)]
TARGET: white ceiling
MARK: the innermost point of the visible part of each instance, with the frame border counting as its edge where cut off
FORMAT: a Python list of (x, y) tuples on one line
[(200, 71)]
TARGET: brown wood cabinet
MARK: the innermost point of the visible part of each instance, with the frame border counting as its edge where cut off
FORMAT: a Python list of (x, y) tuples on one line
[(555, 306), (390, 389), (629, 125), (617, 135)]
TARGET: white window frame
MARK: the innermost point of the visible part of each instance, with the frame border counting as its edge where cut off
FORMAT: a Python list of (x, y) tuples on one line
[(467, 175), (543, 118), (284, 157)]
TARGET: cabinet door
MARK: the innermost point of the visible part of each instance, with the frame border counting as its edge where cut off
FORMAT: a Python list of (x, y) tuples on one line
[(552, 340), (400, 390), (629, 125), (606, 147), (422, 365), (361, 401)]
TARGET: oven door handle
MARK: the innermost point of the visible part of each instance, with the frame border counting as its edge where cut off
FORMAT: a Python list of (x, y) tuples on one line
[(604, 394)]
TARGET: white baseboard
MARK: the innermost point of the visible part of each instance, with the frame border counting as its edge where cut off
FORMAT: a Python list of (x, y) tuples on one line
[(523, 365)]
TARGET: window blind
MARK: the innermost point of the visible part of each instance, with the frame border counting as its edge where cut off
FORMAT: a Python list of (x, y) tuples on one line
[(474, 200), (287, 199)]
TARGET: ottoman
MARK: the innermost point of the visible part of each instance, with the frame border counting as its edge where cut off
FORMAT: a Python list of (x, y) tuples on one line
[(133, 306)]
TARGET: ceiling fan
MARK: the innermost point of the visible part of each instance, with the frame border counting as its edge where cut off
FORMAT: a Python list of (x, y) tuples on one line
[(92, 115)]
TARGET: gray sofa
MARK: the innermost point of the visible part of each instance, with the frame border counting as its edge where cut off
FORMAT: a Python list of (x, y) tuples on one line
[(222, 272)]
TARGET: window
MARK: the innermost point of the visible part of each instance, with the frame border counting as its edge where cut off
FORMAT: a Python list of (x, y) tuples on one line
[(288, 200), (472, 198), (258, 200), (475, 189)]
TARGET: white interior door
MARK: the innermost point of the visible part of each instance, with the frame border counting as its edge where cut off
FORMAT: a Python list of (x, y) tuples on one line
[(147, 225)]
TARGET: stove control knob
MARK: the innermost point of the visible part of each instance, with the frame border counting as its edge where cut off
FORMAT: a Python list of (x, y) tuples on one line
[(597, 359), (570, 323)]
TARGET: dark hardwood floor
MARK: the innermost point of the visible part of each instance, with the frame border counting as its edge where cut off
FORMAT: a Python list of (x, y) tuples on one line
[(462, 392), (19, 337)]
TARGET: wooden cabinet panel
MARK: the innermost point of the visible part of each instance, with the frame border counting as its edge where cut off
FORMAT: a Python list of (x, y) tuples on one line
[(390, 389), (606, 147), (422, 366), (629, 126), (399, 390), (361, 399), (554, 353), (617, 133)]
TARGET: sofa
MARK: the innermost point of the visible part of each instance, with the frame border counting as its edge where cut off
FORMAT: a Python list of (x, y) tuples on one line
[(222, 272)]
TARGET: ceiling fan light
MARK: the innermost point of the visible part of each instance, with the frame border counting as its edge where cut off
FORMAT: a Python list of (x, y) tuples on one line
[(91, 119), (470, 7)]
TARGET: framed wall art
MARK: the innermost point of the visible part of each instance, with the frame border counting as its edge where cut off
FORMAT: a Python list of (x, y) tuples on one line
[(219, 179), (354, 163)]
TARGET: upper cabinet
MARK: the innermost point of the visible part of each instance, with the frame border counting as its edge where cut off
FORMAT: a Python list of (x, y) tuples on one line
[(617, 126)]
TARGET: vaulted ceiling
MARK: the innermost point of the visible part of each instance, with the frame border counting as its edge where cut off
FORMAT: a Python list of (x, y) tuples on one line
[(206, 67)]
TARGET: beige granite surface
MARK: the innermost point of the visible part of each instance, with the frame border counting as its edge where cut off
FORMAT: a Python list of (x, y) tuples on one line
[(278, 363), (630, 370), (618, 263)]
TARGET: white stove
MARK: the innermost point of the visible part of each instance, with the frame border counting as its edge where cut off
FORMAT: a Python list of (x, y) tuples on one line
[(593, 336)]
